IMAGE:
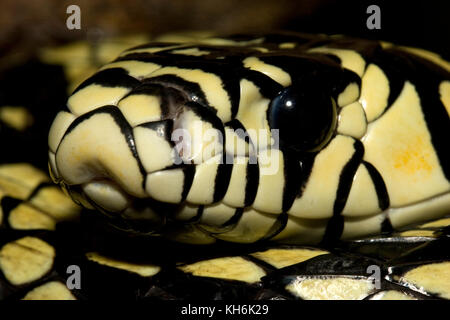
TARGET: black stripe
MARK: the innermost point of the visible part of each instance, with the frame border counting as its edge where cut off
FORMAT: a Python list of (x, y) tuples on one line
[(234, 219), (380, 186), (191, 90), (239, 129), (162, 127), (225, 70), (306, 165), (114, 77), (292, 179), (304, 68), (428, 78), (222, 180), (396, 70), (252, 182), (171, 100), (277, 227), (268, 87), (41, 186), (124, 126), (206, 114), (150, 89), (386, 226), (335, 225), (189, 172), (153, 45), (197, 216)]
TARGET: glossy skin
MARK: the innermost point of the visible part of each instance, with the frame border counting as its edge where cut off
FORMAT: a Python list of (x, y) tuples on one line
[(361, 148)]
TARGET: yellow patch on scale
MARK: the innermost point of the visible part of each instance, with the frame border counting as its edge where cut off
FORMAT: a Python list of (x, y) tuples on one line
[(417, 233), (53, 290), (144, 270), (280, 258), (18, 180), (399, 145), (55, 203), (190, 52), (26, 260), (25, 217), (433, 278), (287, 45), (229, 268), (436, 224)]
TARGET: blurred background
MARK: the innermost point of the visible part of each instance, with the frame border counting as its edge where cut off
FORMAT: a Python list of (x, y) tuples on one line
[(26, 25)]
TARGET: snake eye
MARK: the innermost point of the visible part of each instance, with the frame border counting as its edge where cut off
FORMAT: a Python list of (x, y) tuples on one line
[(305, 117)]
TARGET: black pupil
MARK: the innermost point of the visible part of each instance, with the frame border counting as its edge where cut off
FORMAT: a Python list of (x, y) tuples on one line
[(304, 117)]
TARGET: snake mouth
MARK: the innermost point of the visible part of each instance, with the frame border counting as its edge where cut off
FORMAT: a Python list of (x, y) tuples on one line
[(137, 174), (141, 216)]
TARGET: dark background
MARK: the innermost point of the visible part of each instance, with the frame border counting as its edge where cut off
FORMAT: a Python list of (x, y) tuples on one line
[(26, 25)]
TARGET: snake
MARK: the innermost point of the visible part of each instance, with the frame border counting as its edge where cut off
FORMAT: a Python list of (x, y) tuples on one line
[(286, 137), (288, 154)]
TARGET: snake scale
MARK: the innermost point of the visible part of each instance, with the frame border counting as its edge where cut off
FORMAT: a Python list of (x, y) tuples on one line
[(289, 155)]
